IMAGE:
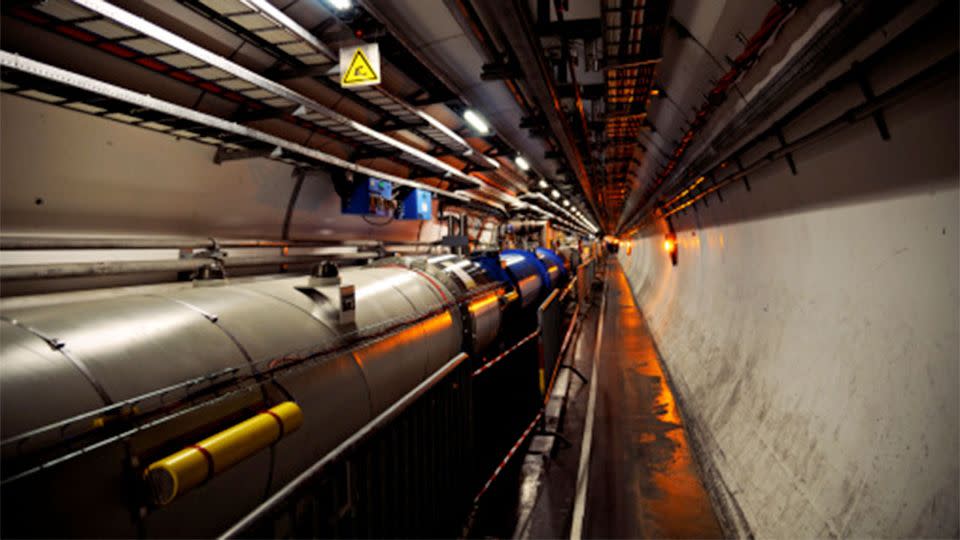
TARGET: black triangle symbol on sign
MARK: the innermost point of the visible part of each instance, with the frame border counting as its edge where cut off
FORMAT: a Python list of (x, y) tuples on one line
[(360, 70)]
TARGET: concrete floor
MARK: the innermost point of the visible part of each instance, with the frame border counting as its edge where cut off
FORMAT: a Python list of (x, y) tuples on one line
[(643, 481)]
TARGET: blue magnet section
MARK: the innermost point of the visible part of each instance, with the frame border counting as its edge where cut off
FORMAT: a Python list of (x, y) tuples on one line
[(490, 262), (521, 263), (550, 256)]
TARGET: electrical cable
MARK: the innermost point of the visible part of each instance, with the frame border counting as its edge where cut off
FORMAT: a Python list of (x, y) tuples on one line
[(389, 220)]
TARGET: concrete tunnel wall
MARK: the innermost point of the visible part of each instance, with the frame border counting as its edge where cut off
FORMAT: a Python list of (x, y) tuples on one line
[(810, 330)]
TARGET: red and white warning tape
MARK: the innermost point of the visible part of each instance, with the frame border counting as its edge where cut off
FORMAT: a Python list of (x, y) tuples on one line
[(506, 459), (560, 355), (504, 354), (568, 289), (569, 334)]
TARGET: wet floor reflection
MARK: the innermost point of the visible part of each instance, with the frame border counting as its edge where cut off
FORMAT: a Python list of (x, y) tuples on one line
[(644, 481)]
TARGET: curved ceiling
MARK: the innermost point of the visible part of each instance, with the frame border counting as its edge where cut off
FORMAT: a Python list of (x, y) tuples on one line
[(603, 98)]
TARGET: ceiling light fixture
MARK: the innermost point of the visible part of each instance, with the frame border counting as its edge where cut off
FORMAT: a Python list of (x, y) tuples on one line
[(341, 5), (555, 194), (522, 163), (476, 121), (543, 184)]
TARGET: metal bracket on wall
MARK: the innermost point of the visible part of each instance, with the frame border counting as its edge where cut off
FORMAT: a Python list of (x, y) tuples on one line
[(224, 154), (713, 183), (298, 176), (789, 155), (342, 183), (746, 180), (213, 251), (456, 240), (867, 90)]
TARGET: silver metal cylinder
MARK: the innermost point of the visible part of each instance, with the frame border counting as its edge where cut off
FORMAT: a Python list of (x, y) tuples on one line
[(63, 360)]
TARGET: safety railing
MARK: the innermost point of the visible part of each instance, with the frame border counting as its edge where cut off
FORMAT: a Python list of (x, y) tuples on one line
[(556, 326), (408, 472), (401, 475), (550, 321), (586, 273)]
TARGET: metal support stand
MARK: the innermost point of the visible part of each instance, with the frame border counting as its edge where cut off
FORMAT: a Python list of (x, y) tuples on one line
[(565, 441), (576, 372)]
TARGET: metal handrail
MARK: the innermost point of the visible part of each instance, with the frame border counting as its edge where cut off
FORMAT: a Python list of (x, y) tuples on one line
[(567, 339), (16, 272), (25, 243), (285, 495)]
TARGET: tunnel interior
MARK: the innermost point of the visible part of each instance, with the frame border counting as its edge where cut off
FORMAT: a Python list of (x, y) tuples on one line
[(479, 268)]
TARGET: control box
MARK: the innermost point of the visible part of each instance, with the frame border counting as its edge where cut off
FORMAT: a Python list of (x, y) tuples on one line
[(418, 204), (371, 197), (348, 304)]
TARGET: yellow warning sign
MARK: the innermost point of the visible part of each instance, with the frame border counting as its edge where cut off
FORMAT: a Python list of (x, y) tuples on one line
[(360, 70), (360, 66)]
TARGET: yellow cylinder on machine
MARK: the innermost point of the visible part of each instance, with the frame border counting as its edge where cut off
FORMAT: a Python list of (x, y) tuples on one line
[(176, 474)]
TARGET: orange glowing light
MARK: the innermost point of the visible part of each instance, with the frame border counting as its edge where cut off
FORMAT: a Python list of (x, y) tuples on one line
[(436, 324), (424, 330), (668, 245), (478, 305)]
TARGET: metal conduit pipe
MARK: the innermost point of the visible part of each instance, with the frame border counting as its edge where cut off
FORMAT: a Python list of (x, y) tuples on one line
[(919, 82), (409, 45), (582, 222), (557, 219), (578, 96), (17, 272), (452, 225), (505, 173), (465, 231), (8, 243), (513, 19), (574, 224), (863, 13), (409, 244)]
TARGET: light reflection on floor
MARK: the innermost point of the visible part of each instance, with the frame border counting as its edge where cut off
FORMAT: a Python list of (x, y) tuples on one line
[(644, 481)]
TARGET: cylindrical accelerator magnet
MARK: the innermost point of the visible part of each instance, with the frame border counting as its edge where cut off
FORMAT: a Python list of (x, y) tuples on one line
[(176, 474)]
